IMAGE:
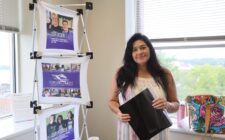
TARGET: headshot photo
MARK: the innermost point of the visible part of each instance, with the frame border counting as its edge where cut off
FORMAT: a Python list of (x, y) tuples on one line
[(59, 31)]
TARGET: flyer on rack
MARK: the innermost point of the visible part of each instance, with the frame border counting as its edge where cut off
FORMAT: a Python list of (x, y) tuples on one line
[(58, 30), (59, 123), (63, 80)]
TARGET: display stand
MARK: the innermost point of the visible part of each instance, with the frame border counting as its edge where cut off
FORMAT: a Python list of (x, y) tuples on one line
[(35, 55)]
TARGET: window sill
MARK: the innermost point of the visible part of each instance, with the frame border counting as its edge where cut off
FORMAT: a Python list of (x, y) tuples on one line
[(174, 128), (10, 129)]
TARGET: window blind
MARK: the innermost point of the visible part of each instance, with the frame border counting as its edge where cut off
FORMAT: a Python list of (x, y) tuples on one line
[(181, 19), (9, 15)]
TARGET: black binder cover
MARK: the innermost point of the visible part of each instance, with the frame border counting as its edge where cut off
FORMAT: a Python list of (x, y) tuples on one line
[(146, 121)]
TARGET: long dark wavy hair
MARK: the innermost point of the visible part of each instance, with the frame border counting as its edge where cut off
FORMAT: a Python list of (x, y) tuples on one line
[(127, 73)]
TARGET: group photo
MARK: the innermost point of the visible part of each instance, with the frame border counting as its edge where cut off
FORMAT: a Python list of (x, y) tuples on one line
[(61, 92), (60, 126)]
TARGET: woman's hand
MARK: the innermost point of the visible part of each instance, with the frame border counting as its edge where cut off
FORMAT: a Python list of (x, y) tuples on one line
[(159, 103), (123, 117)]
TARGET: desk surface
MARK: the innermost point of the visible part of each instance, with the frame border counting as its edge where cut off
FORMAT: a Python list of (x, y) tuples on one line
[(9, 128), (175, 128)]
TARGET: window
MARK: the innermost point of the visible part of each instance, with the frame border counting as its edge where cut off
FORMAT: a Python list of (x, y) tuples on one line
[(196, 71), (8, 28), (7, 72), (189, 38)]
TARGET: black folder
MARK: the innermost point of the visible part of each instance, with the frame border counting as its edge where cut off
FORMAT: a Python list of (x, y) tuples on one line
[(146, 121)]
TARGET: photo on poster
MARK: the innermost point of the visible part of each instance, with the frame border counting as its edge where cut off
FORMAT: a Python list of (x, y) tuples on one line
[(58, 29), (59, 123), (63, 80)]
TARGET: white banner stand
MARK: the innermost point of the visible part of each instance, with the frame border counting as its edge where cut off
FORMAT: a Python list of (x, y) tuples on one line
[(37, 55)]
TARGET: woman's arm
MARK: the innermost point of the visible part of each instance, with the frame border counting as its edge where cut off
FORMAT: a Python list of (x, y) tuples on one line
[(114, 102), (172, 103)]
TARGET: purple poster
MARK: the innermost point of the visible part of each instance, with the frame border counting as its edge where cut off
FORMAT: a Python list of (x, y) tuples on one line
[(59, 31), (60, 126), (61, 80)]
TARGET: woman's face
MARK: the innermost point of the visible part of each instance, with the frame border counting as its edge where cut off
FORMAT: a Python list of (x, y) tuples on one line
[(141, 52)]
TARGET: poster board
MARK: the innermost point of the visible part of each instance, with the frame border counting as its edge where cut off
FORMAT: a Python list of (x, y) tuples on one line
[(58, 30), (63, 80)]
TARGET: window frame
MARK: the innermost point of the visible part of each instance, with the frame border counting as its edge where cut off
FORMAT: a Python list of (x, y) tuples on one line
[(14, 67), (162, 42), (178, 43), (14, 63)]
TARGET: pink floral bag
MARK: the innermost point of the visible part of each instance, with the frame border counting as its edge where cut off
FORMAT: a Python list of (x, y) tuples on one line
[(206, 113)]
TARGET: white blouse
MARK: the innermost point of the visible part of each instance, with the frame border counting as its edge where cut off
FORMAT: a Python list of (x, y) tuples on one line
[(124, 131), (143, 83)]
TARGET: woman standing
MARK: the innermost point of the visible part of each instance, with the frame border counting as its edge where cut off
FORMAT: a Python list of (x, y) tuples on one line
[(141, 70)]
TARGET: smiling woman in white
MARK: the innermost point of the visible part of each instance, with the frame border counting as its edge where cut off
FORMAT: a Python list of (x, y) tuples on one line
[(141, 70)]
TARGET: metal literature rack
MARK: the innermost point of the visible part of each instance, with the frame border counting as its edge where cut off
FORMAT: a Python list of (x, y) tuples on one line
[(35, 55)]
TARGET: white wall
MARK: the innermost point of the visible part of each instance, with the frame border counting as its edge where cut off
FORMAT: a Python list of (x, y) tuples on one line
[(26, 66), (106, 32)]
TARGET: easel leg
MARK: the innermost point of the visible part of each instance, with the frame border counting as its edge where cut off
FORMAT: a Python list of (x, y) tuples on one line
[(84, 125)]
